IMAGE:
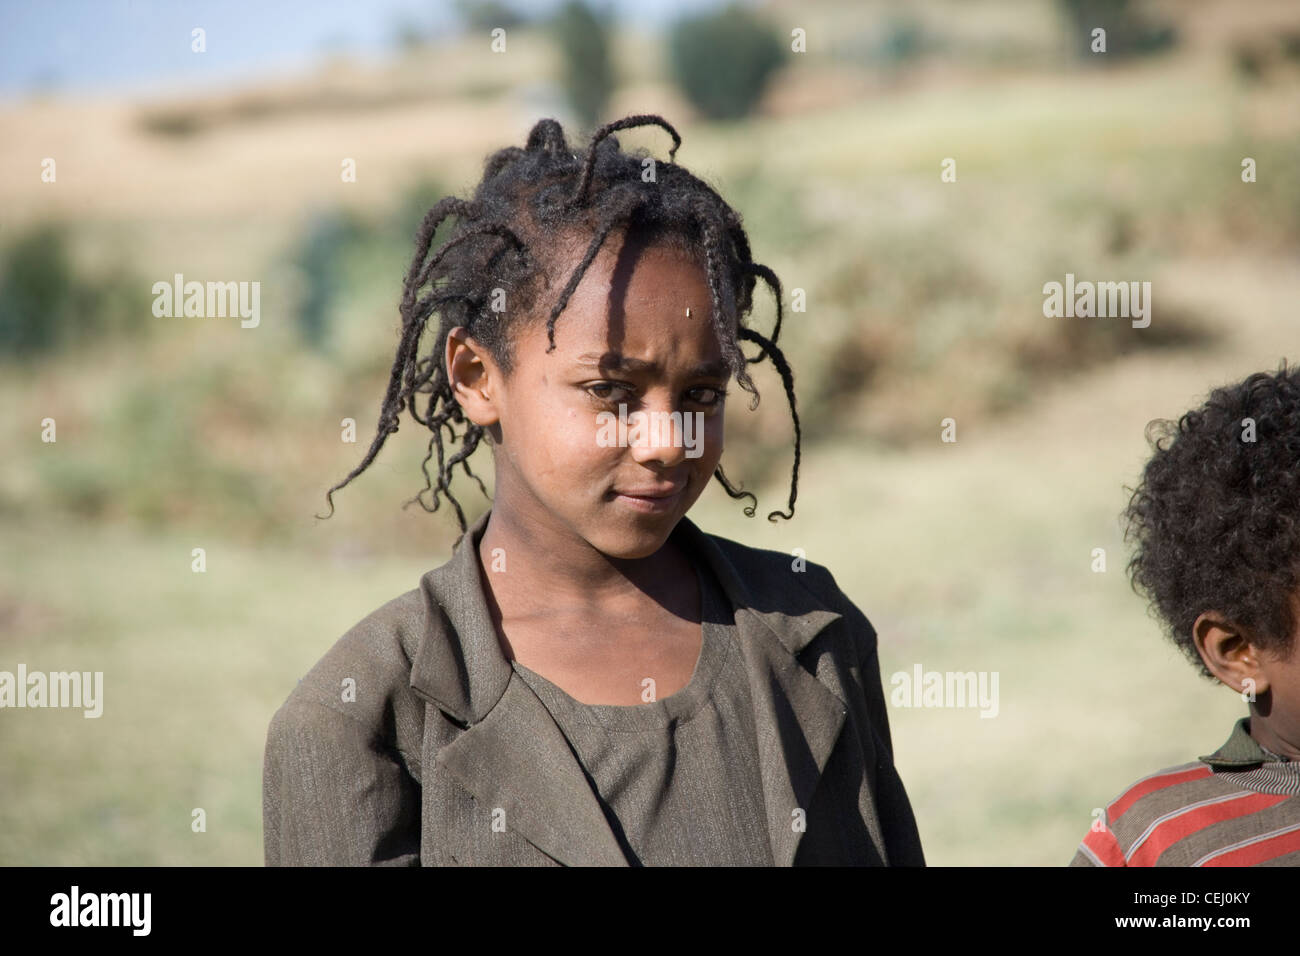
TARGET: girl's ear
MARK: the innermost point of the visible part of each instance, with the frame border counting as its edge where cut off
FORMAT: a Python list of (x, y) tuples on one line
[(1228, 653), (472, 376)]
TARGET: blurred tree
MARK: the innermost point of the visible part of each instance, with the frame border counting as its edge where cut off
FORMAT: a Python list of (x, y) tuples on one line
[(47, 303), (904, 39), (484, 15), (723, 60), (1130, 29), (325, 242), (583, 37), (36, 292)]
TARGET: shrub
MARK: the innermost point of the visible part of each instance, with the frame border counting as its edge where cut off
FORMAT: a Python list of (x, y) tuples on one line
[(583, 39), (1130, 30), (47, 303), (723, 61)]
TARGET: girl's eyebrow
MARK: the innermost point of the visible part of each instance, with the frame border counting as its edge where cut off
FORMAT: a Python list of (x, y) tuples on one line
[(618, 362)]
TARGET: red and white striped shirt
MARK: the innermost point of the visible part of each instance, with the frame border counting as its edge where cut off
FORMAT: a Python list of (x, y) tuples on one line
[(1237, 807)]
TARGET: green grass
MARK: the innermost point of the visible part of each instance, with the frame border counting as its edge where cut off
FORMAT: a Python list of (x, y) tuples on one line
[(194, 665)]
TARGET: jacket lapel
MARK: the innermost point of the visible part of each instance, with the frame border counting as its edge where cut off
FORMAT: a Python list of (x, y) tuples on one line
[(513, 755), (797, 722), (797, 718), (517, 758)]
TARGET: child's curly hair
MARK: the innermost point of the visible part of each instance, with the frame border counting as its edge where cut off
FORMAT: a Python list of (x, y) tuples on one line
[(1216, 517), (530, 204)]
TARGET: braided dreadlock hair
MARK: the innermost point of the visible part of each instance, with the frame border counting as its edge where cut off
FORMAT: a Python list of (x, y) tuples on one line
[(508, 237)]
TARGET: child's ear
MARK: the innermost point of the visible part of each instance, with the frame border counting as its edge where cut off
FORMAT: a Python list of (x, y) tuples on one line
[(471, 374), (1228, 652)]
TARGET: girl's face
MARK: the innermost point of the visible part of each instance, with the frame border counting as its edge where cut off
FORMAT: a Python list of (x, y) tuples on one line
[(565, 467)]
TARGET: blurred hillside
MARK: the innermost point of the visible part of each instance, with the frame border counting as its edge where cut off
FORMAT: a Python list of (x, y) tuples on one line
[(911, 283)]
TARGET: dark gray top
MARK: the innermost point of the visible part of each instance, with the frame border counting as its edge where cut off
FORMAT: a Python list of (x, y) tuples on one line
[(445, 756), (677, 778)]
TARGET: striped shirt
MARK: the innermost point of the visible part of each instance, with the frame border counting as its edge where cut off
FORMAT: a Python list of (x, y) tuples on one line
[(1239, 806)]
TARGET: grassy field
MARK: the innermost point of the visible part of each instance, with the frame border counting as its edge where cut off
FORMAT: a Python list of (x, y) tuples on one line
[(973, 556)]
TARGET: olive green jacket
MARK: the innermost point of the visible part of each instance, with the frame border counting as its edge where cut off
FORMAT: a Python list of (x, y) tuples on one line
[(414, 742)]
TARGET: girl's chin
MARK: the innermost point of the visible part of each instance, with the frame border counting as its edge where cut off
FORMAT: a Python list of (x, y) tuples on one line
[(629, 542)]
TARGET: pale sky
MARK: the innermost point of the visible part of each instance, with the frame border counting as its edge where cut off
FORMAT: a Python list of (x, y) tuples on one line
[(84, 46)]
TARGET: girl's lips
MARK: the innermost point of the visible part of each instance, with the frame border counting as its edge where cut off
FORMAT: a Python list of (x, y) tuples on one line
[(657, 503)]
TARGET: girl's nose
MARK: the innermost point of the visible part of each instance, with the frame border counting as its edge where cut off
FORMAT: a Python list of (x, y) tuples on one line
[(662, 435)]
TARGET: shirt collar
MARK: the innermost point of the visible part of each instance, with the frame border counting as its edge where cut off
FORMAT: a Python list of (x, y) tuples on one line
[(1240, 750), (467, 676)]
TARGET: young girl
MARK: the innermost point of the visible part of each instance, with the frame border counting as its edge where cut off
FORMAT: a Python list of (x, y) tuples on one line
[(590, 679)]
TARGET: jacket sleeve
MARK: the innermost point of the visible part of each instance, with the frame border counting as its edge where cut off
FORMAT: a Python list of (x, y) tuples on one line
[(902, 839), (901, 836), (335, 792)]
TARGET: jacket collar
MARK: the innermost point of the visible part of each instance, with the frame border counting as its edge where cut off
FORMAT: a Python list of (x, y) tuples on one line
[(1240, 750), (511, 748)]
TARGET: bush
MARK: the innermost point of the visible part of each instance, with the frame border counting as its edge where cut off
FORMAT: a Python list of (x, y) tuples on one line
[(723, 61), (904, 39), (46, 304), (36, 300), (583, 38), (324, 246), (1130, 31), (480, 16)]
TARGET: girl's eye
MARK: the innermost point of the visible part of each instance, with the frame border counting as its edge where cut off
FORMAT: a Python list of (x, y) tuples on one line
[(613, 392), (709, 396), (608, 391)]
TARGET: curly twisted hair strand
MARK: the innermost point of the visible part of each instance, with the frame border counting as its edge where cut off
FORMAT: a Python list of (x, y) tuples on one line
[(506, 238)]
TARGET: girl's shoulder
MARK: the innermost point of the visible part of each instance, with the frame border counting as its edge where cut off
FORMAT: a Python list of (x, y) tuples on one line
[(767, 579), (365, 675)]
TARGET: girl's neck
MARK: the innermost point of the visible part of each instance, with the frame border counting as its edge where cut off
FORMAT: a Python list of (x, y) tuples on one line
[(1273, 738), (551, 566)]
